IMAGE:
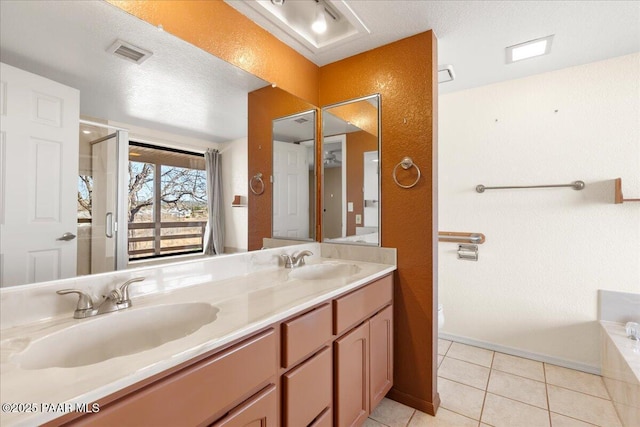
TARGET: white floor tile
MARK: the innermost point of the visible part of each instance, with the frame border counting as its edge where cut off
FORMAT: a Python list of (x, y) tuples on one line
[(518, 388), (576, 380), (444, 418), (372, 423), (392, 413), (471, 354), (443, 346), (518, 366), (581, 406), (499, 411), (460, 398), (464, 372), (558, 420)]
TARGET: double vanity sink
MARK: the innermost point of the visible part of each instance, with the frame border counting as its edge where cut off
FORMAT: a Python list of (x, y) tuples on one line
[(134, 330), (101, 355)]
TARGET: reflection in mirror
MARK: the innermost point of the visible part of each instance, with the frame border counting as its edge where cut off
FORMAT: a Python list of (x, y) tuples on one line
[(351, 179), (294, 192), (176, 104)]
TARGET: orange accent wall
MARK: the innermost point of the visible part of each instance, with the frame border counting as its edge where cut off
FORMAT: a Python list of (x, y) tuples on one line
[(360, 114), (357, 144), (217, 28), (404, 73), (265, 105)]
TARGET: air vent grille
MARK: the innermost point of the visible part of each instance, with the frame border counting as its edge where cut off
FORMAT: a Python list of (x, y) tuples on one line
[(301, 120), (129, 52)]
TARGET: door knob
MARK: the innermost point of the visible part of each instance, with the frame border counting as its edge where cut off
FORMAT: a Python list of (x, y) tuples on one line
[(67, 236)]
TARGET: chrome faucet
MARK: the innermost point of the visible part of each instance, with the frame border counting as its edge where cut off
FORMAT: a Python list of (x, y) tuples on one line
[(295, 260), (118, 299)]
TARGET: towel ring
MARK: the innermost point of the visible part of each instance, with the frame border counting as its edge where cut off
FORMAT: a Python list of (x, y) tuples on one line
[(257, 177), (406, 163)]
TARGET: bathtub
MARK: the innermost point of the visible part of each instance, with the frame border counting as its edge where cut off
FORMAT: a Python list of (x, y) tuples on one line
[(621, 371)]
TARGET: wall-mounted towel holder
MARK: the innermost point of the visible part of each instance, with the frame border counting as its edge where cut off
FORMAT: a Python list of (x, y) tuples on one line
[(406, 163), (257, 178), (461, 237), (576, 185)]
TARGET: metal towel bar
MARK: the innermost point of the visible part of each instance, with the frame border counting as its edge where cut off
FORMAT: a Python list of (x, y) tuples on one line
[(576, 185)]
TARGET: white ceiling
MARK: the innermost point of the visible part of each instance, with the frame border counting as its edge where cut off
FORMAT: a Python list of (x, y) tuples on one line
[(184, 90), (179, 89), (472, 35)]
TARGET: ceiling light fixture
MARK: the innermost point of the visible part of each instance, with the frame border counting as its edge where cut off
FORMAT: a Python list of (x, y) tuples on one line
[(530, 49), (277, 2), (319, 25), (86, 132)]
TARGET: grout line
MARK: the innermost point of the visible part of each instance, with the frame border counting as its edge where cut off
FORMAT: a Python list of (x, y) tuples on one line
[(573, 418), (486, 387), (546, 391), (519, 376), (458, 382), (473, 363), (411, 417)]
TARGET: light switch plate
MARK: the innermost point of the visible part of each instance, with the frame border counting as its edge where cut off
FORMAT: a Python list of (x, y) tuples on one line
[(358, 219), (349, 206)]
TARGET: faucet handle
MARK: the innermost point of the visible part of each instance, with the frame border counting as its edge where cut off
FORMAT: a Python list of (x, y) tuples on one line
[(288, 260), (84, 302), (124, 289)]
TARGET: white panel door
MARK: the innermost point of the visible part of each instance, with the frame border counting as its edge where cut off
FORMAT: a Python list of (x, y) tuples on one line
[(371, 188), (39, 177), (290, 190)]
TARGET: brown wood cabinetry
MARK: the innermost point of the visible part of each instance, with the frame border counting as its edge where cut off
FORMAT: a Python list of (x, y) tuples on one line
[(330, 365), (259, 411), (364, 355), (352, 377), (308, 390)]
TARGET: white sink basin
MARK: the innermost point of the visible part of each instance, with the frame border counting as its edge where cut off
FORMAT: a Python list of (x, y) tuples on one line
[(324, 271), (115, 334)]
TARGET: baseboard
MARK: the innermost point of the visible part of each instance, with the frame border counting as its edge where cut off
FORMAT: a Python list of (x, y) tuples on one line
[(571, 364), (422, 405)]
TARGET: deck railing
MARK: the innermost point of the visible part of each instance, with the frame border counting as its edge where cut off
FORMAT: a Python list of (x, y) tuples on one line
[(193, 241)]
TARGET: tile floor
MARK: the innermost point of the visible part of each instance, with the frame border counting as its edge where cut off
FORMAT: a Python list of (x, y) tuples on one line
[(482, 388)]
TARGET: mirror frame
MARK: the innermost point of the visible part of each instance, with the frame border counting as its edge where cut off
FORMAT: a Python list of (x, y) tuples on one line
[(314, 195), (378, 98)]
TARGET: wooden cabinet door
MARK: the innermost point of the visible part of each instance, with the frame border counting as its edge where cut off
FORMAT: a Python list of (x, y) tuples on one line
[(259, 411), (351, 356), (380, 355)]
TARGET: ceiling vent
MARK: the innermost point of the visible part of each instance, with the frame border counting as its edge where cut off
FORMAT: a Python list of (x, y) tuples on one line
[(445, 74), (129, 52)]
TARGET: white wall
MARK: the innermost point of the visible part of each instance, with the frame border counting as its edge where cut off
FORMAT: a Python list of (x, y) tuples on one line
[(534, 289), (235, 170)]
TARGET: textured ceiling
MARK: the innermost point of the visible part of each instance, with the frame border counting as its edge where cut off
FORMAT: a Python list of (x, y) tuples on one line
[(179, 89), (473, 35), (184, 90)]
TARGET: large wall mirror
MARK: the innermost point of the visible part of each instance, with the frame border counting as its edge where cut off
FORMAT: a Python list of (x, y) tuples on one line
[(294, 177), (351, 178), (161, 112)]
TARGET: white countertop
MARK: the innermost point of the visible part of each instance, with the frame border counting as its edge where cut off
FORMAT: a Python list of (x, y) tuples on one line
[(247, 304), (629, 349)]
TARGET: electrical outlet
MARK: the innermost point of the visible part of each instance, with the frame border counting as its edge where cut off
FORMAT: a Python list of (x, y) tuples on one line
[(358, 219)]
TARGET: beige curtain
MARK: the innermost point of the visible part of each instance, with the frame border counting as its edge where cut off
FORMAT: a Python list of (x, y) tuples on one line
[(214, 232)]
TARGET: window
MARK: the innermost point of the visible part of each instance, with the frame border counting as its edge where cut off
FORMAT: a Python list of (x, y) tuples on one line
[(167, 201)]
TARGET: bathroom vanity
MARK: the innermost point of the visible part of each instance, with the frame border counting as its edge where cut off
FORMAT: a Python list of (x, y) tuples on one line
[(316, 349)]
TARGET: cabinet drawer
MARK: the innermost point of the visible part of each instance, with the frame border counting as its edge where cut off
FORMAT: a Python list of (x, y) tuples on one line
[(259, 411), (324, 420), (355, 307), (304, 334), (308, 390), (195, 395)]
